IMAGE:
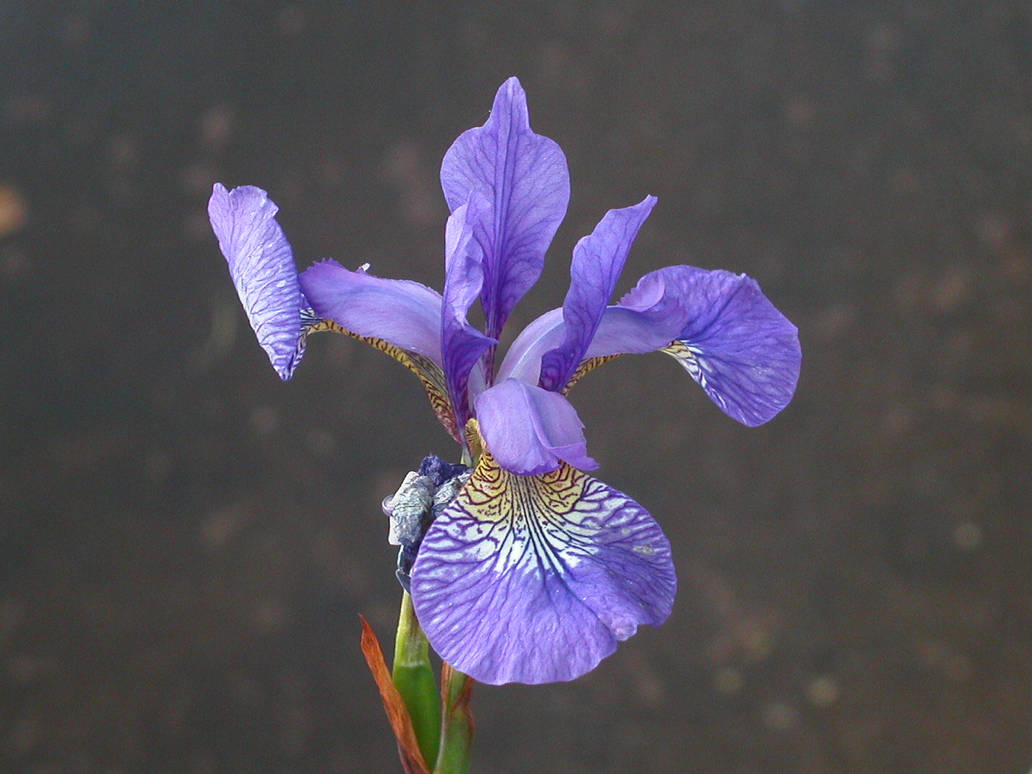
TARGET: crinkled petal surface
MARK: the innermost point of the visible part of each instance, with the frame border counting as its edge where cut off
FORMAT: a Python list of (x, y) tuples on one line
[(400, 312), (525, 178), (535, 579), (598, 260), (261, 264), (461, 343), (530, 430), (741, 350)]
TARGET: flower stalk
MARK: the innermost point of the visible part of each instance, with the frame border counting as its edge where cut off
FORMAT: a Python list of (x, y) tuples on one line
[(456, 722), (414, 677)]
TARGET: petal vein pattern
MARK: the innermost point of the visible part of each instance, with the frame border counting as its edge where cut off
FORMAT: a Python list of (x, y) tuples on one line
[(741, 350), (535, 579), (525, 178), (261, 265)]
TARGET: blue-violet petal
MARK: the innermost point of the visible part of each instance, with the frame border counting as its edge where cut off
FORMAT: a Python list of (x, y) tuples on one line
[(400, 312), (461, 343), (530, 430), (598, 260), (261, 264), (535, 579), (525, 178), (741, 350)]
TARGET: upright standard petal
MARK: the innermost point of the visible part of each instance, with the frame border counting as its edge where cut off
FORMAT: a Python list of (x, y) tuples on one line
[(535, 579), (461, 343), (261, 264), (530, 430), (525, 178), (598, 260), (647, 319), (401, 312)]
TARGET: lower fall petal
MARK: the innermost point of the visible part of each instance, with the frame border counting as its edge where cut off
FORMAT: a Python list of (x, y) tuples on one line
[(536, 579), (741, 350)]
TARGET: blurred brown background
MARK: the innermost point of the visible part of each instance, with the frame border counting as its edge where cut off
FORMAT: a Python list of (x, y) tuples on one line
[(186, 543)]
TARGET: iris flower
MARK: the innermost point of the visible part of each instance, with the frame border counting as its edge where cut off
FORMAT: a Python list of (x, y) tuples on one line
[(536, 570)]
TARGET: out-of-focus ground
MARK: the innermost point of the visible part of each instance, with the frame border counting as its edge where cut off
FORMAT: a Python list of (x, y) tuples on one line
[(186, 543)]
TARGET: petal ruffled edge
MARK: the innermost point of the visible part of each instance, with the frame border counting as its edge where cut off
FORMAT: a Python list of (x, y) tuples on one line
[(530, 430), (536, 579), (261, 264)]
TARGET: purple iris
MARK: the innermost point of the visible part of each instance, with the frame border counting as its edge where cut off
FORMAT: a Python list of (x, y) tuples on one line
[(536, 570)]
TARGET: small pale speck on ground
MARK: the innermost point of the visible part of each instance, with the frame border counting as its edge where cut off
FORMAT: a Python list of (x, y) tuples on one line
[(157, 466), (321, 443), (758, 644), (728, 681), (945, 658), (822, 691), (779, 715), (264, 420), (14, 210), (217, 126), (197, 179), (291, 21), (951, 289), (222, 525), (967, 536), (799, 112), (834, 321), (123, 152), (270, 616), (74, 30), (14, 263)]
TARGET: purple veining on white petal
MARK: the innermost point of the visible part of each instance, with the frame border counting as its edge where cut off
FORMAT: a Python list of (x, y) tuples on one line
[(537, 579), (261, 264)]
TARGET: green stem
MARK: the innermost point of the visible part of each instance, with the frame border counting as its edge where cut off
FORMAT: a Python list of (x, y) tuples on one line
[(456, 724), (414, 678)]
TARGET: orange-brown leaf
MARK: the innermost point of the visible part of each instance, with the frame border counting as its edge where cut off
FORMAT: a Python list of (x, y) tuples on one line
[(397, 713)]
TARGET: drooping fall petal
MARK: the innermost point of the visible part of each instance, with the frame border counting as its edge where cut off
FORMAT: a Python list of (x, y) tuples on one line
[(535, 579), (742, 351)]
